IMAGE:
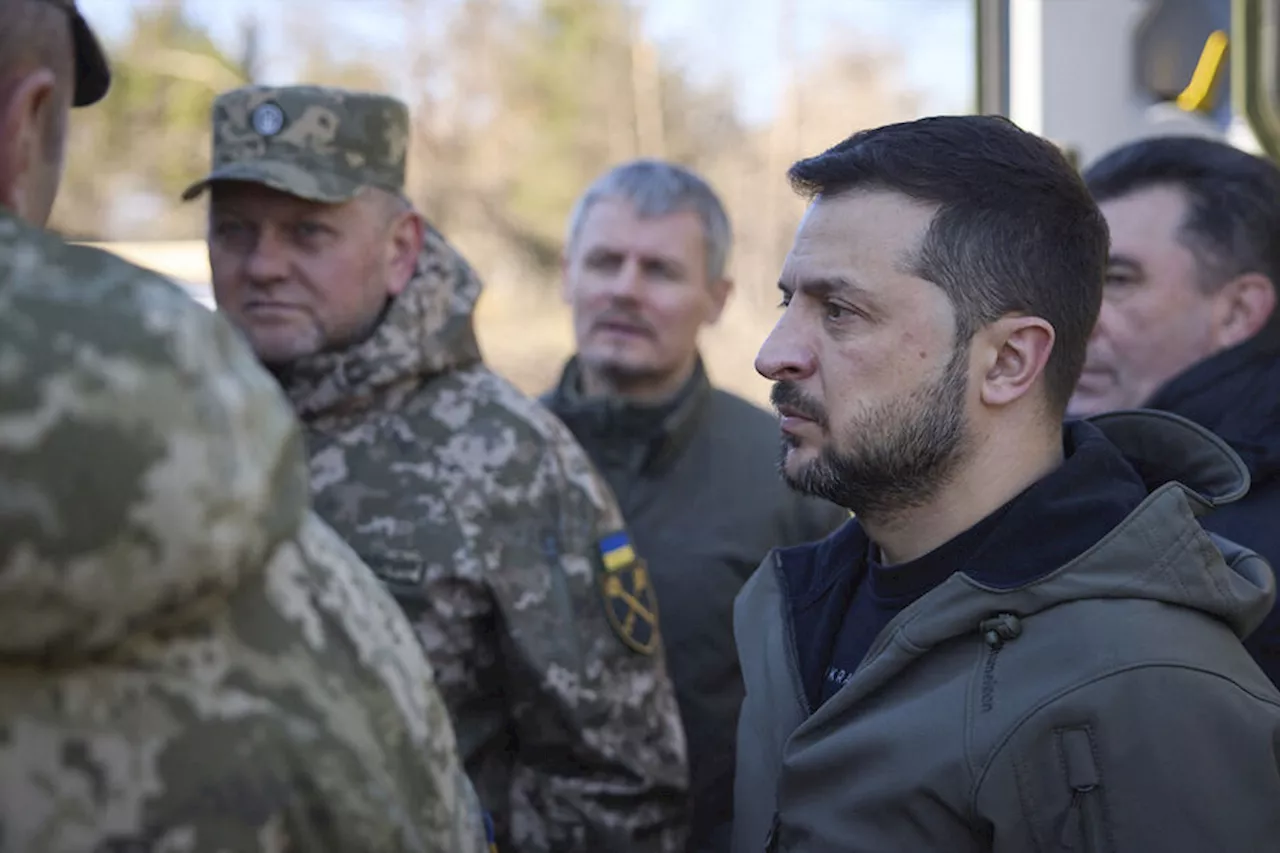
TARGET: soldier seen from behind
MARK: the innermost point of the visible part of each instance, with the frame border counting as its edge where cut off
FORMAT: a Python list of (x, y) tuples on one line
[(692, 466), (1024, 640), (189, 660), (1189, 322), (471, 502)]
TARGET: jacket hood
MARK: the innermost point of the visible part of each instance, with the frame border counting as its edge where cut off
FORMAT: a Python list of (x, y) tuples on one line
[(427, 330), (1233, 395), (148, 465), (1159, 553)]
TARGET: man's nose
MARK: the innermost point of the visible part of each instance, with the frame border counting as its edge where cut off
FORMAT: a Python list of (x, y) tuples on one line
[(1099, 326), (626, 283), (786, 354), (267, 261)]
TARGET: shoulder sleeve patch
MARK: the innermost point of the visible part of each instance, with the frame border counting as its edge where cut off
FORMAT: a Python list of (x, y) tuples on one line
[(629, 600)]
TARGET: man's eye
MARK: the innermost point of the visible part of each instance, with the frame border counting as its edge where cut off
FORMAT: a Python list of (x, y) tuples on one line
[(784, 300), (836, 312), (227, 230), (603, 262)]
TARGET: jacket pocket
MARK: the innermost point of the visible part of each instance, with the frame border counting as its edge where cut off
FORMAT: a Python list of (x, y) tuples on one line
[(1083, 828)]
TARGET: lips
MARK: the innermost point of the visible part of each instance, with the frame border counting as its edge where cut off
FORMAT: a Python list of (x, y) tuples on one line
[(621, 327), (270, 308), (794, 421), (793, 406)]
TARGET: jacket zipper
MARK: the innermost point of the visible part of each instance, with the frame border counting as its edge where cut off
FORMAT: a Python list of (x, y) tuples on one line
[(1082, 826), (797, 684), (771, 840), (792, 654)]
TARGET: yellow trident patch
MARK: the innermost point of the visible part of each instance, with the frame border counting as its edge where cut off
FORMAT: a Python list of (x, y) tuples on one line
[(630, 602)]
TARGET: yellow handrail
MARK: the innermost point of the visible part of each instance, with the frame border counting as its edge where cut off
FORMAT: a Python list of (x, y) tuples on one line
[(1195, 98)]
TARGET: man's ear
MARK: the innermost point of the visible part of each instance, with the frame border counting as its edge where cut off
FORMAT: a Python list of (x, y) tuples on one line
[(1014, 352), (721, 290), (1242, 307), (21, 128), (406, 246), (565, 263)]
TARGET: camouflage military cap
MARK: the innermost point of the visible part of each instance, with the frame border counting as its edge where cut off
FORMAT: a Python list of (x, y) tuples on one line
[(318, 143)]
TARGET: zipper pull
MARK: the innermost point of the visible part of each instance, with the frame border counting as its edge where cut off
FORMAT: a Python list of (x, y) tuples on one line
[(1082, 779), (771, 840), (1069, 836)]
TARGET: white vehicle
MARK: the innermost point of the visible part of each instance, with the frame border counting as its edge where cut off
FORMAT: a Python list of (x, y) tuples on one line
[(1094, 74)]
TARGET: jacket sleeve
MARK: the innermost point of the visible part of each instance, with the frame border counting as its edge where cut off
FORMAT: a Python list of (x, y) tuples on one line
[(402, 728), (207, 667), (1164, 758), (601, 761)]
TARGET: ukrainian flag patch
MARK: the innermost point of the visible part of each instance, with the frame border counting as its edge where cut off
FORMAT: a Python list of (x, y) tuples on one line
[(616, 551), (629, 599)]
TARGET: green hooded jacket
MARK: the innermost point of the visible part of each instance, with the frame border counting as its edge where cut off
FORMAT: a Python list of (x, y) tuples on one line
[(1107, 707)]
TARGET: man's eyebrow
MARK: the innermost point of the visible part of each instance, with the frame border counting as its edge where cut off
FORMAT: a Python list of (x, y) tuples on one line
[(824, 286), (1122, 260)]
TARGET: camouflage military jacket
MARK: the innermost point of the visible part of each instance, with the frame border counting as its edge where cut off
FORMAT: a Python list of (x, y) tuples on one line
[(189, 660), (489, 525)]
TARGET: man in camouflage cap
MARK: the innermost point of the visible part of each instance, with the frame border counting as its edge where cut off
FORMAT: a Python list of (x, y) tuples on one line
[(192, 661), (471, 502)]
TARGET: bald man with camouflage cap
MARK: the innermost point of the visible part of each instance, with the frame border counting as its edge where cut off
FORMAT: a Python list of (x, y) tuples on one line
[(191, 659), (471, 502)]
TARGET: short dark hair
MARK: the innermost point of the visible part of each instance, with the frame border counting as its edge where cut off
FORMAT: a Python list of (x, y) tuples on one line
[(1015, 229), (33, 33), (1232, 225)]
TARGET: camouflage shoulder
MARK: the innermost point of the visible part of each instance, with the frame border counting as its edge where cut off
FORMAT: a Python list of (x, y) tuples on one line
[(591, 526), (419, 745), (188, 463), (553, 440), (294, 715)]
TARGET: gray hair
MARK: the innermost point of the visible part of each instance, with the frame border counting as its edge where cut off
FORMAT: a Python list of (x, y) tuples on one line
[(658, 188)]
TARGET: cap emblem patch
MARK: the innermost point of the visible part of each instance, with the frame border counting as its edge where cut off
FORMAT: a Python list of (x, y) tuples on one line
[(267, 119)]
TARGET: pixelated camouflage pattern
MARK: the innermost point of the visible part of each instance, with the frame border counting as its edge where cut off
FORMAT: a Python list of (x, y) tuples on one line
[(483, 516), (320, 143), (190, 661)]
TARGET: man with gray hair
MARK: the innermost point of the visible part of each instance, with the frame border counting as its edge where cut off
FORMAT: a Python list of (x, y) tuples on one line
[(645, 271)]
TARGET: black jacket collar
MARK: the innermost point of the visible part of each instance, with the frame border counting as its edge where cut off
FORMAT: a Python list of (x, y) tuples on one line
[(1236, 395), (639, 437)]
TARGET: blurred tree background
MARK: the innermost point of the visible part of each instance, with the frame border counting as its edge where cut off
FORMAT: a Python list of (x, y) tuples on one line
[(131, 155), (517, 105)]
